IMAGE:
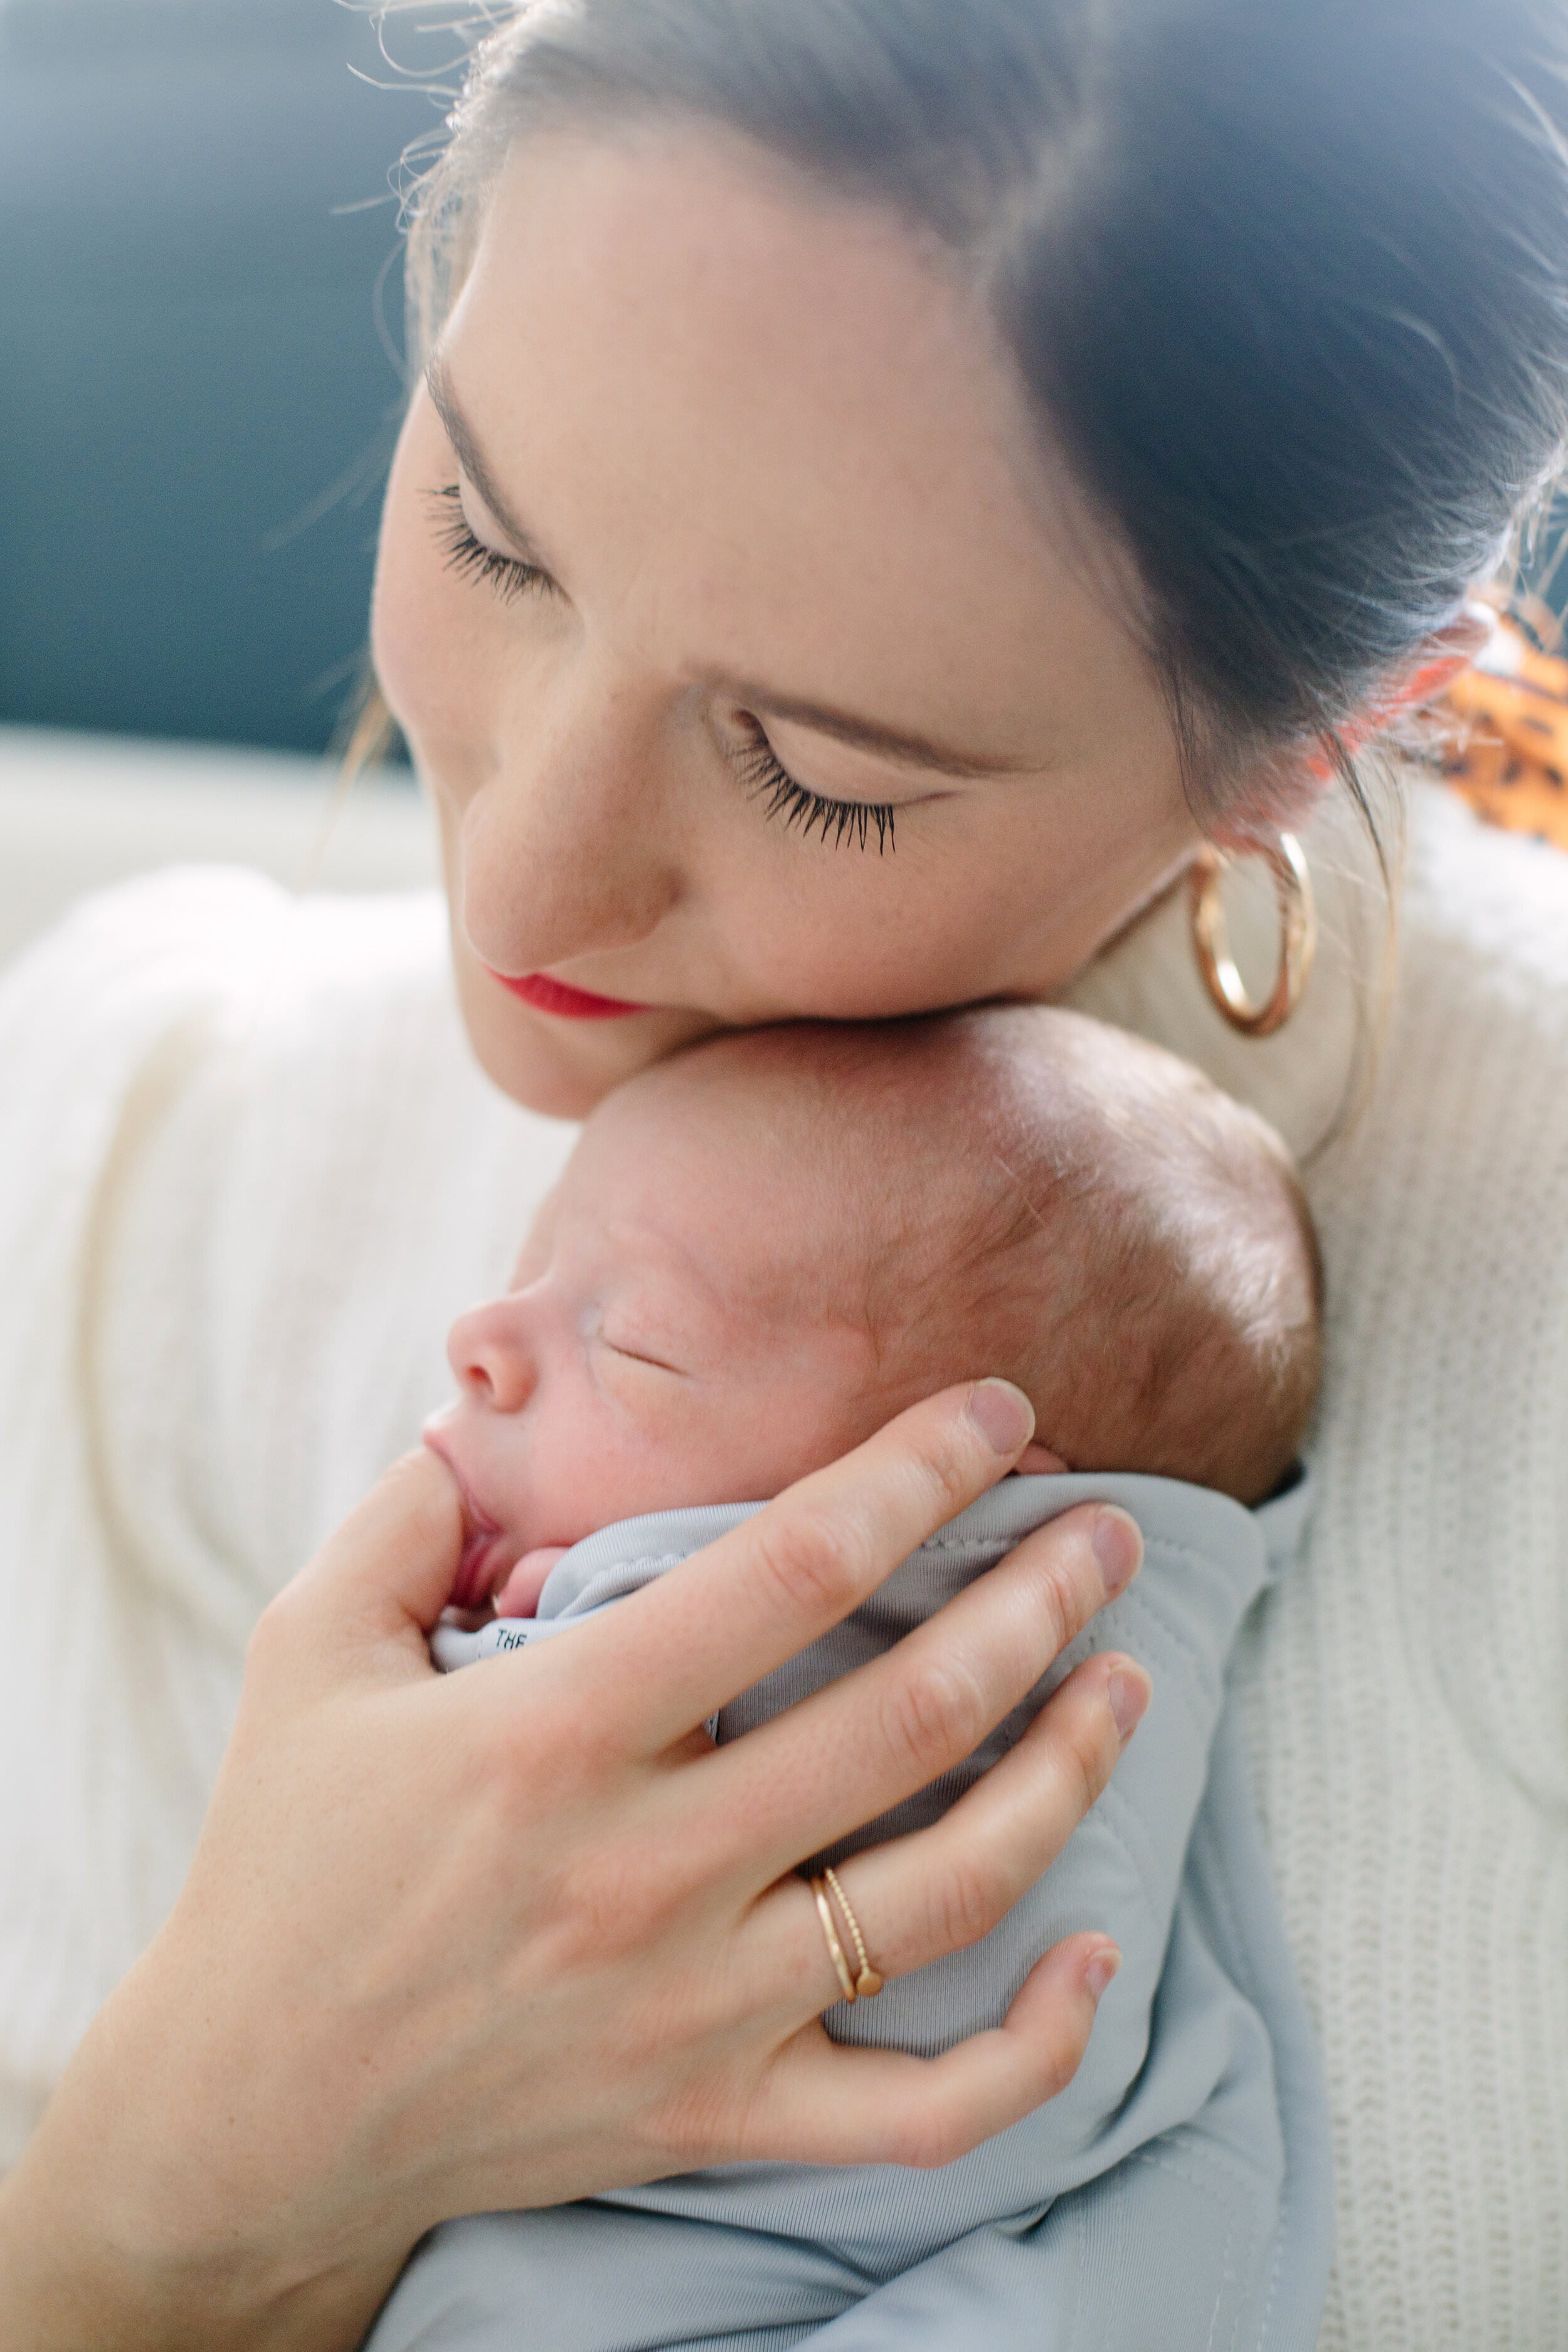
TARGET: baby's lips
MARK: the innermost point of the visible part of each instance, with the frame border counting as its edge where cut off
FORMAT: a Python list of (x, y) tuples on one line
[(475, 1575), (472, 1584)]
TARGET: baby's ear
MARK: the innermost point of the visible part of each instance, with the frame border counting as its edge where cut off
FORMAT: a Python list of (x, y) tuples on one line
[(1037, 1461)]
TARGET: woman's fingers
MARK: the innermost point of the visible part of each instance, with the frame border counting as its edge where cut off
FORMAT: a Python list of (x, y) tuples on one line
[(385, 1574), (853, 1749), (939, 1890), (676, 1653), (826, 2105), (943, 1887)]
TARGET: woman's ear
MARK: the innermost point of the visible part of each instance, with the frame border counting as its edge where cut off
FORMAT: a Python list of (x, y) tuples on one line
[(1439, 662), (1289, 785), (1429, 673), (1286, 786)]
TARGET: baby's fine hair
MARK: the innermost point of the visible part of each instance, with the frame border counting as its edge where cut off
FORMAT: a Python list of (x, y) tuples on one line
[(1021, 1190)]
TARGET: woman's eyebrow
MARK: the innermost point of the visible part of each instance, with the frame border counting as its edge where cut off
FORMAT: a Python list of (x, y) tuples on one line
[(471, 457)]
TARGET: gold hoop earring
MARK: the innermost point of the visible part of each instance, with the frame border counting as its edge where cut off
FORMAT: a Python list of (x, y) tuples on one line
[(1298, 937)]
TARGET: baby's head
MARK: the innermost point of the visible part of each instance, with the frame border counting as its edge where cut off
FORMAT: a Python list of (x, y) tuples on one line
[(763, 1248)]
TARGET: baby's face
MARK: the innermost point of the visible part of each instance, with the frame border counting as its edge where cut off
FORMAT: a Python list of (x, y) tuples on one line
[(671, 1337)]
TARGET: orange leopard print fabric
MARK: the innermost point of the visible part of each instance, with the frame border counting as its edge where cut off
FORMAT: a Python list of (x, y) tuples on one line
[(1508, 756)]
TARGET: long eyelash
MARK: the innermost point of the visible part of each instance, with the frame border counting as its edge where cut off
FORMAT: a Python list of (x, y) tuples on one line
[(471, 558), (767, 779)]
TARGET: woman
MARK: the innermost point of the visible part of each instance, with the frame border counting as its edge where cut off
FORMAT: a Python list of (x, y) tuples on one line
[(892, 482)]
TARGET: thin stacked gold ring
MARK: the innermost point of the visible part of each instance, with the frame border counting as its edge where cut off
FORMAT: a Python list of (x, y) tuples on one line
[(865, 1982)]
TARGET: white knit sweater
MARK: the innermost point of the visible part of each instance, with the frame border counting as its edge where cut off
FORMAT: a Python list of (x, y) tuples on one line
[(248, 1175)]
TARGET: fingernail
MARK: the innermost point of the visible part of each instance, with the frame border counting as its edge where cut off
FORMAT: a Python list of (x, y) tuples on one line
[(1119, 1548), (1099, 1970), (1003, 1414), (1128, 1695)]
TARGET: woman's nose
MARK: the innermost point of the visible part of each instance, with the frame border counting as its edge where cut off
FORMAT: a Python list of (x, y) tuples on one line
[(490, 1354), (568, 849)]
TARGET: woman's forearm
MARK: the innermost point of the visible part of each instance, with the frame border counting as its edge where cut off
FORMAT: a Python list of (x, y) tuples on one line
[(64, 2288), (91, 2260)]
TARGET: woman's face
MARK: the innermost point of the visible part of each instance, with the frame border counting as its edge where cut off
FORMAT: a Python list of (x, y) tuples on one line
[(757, 662)]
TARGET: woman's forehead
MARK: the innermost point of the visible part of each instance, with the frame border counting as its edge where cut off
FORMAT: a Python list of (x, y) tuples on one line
[(774, 437)]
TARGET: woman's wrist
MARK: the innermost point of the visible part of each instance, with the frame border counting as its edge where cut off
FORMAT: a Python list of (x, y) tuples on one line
[(71, 2282), (64, 2287), (117, 2232)]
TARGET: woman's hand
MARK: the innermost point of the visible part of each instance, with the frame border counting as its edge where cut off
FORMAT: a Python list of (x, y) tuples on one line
[(516, 1935)]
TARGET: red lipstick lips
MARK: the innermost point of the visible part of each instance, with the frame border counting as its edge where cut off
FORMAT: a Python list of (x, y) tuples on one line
[(547, 995)]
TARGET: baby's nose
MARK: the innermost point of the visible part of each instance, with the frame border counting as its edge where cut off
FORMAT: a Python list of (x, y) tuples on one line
[(488, 1352)]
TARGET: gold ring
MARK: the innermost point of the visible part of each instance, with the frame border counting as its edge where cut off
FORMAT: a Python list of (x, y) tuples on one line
[(868, 1982), (834, 1948)]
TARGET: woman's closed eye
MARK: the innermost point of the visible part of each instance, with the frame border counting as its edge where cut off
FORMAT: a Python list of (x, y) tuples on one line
[(839, 822), (467, 554)]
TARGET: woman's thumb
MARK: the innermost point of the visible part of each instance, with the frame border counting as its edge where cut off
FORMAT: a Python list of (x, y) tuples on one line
[(388, 1571)]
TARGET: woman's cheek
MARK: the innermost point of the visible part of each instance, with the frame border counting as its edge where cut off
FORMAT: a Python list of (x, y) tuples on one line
[(418, 642), (426, 625), (840, 934)]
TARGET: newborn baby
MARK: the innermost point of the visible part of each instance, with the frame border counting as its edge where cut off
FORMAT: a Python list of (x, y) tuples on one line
[(758, 1252), (764, 1249)]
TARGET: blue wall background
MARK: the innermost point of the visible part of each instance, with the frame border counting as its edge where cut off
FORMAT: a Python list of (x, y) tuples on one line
[(190, 362), (197, 405)]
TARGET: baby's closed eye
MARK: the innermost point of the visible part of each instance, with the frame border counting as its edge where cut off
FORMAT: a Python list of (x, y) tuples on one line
[(639, 1353)]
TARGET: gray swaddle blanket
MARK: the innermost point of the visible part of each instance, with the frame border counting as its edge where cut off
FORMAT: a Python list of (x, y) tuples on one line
[(1174, 2197)]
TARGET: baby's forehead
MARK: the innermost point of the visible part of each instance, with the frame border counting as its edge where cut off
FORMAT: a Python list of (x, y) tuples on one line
[(684, 1198), (796, 1186), (752, 1196)]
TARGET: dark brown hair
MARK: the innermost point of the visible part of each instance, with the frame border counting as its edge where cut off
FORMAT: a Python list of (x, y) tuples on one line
[(1286, 280)]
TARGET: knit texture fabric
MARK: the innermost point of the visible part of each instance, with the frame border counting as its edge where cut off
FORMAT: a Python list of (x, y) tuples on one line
[(247, 1177)]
